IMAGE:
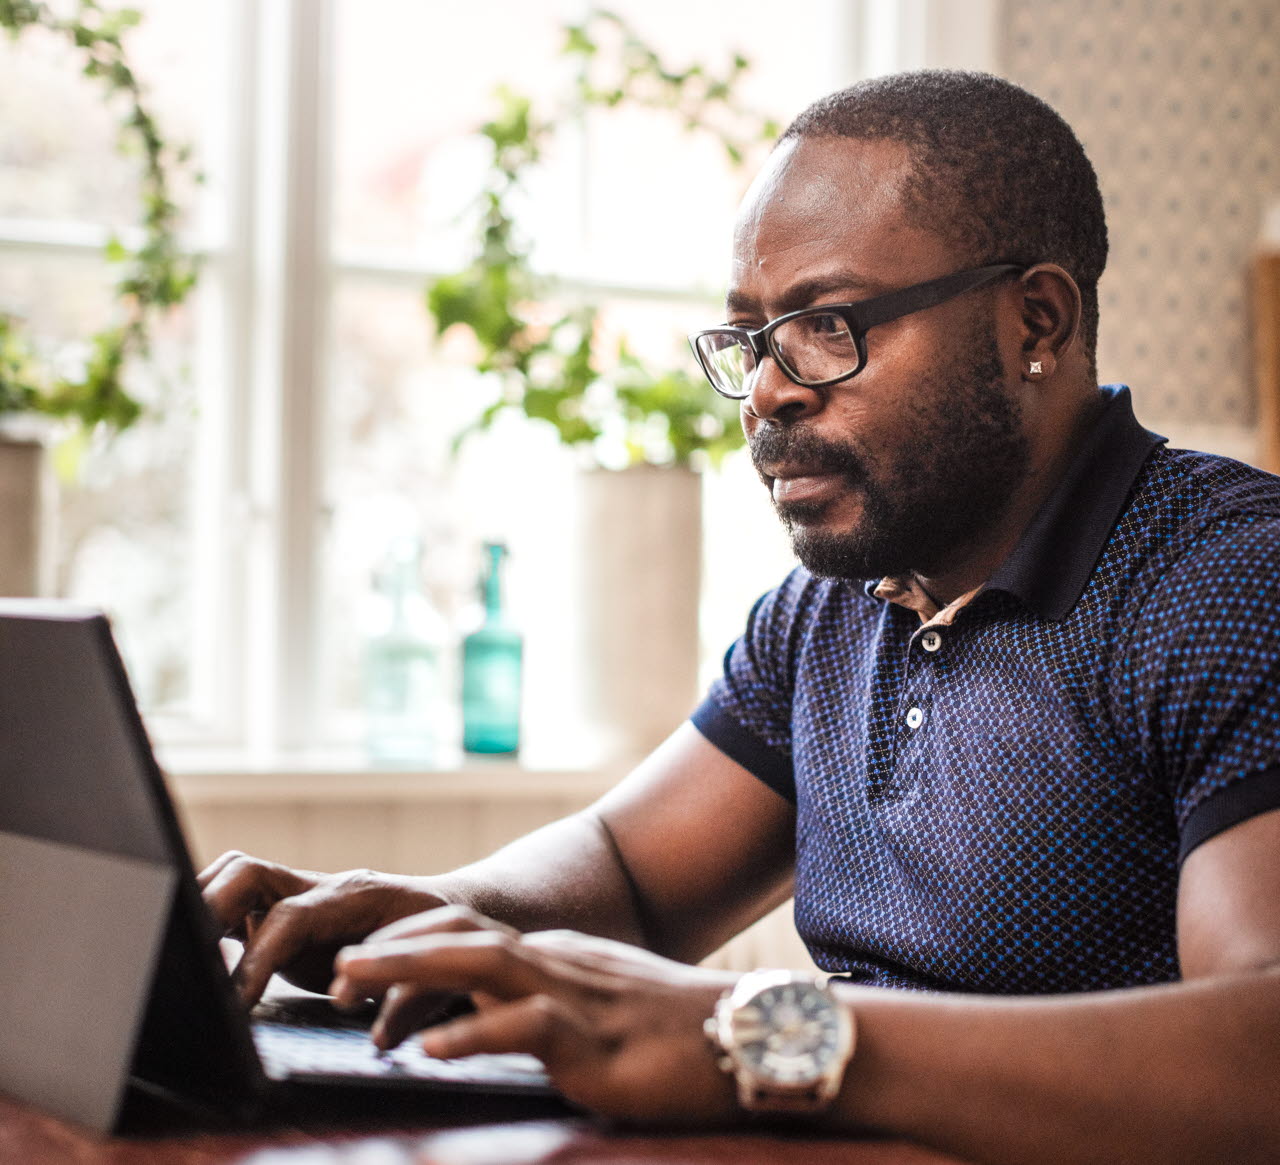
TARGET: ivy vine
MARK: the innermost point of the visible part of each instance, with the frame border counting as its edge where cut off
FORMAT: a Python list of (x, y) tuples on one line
[(553, 371), (153, 277)]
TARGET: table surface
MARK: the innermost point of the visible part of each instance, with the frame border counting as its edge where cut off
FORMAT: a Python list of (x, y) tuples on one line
[(33, 1138)]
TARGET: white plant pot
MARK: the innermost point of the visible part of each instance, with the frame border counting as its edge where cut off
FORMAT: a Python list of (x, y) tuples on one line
[(25, 508), (642, 571)]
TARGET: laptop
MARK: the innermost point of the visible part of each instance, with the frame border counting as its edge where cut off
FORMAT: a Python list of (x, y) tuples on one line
[(114, 986)]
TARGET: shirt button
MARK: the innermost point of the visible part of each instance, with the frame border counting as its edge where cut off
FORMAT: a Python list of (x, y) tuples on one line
[(931, 641), (915, 718)]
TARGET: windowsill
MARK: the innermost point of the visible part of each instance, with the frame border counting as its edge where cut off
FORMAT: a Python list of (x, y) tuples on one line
[(212, 777)]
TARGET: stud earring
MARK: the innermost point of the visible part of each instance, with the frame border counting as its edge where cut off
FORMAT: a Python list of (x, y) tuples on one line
[(1035, 367)]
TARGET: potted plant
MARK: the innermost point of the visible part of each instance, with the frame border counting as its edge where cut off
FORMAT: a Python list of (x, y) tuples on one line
[(87, 390), (556, 366)]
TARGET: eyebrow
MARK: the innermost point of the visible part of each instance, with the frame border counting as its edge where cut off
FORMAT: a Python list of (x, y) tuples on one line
[(803, 294)]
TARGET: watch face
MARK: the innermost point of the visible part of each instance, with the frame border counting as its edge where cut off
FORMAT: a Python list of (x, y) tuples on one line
[(788, 1033)]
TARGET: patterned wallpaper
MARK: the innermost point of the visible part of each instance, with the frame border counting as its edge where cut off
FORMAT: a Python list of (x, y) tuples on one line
[(1178, 104)]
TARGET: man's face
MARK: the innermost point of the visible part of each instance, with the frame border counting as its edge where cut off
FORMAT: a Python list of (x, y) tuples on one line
[(902, 466)]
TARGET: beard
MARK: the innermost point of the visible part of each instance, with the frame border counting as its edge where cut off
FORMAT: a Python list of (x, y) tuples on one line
[(953, 475)]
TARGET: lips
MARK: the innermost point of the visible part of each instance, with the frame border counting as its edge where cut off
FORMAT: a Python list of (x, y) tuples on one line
[(802, 471), (804, 485), (801, 483)]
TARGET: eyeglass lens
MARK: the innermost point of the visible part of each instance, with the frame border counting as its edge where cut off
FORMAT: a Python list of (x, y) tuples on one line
[(813, 347)]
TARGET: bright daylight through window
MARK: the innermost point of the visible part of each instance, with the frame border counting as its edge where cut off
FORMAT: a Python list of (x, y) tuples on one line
[(299, 411)]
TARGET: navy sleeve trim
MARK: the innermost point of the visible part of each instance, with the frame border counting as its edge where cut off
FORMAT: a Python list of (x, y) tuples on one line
[(1246, 798), (743, 746)]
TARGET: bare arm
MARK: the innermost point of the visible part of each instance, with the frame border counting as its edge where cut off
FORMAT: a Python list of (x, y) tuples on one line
[(683, 853), (677, 858)]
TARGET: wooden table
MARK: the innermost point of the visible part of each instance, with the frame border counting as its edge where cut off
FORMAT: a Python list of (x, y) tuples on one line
[(28, 1137)]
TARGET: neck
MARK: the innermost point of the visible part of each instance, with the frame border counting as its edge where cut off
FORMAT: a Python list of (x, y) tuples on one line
[(981, 557)]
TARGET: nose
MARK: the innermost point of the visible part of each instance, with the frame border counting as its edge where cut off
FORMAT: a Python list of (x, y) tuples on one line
[(775, 397)]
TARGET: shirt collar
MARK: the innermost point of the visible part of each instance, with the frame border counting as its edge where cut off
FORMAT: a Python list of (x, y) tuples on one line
[(1054, 559)]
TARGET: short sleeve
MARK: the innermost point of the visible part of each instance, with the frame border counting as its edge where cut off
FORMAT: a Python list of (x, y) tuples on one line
[(747, 711), (1205, 679)]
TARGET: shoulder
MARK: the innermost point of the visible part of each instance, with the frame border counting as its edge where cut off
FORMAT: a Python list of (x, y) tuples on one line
[(1190, 490), (1197, 515), (1211, 565)]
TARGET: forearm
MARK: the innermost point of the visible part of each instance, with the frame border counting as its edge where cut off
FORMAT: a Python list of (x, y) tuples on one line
[(1187, 1072), (566, 875)]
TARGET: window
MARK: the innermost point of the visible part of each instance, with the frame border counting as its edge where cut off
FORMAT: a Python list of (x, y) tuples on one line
[(303, 411)]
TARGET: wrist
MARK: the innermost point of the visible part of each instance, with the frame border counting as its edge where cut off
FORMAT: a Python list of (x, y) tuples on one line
[(785, 1039)]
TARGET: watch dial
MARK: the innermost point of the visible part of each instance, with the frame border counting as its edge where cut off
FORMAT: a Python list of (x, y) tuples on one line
[(789, 1033)]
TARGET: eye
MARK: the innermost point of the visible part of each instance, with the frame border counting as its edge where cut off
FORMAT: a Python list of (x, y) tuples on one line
[(823, 323), (827, 327)]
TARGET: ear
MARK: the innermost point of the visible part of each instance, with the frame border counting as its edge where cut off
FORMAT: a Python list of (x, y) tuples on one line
[(1050, 318)]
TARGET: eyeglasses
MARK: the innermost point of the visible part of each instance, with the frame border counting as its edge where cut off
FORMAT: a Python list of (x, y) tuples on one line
[(823, 345)]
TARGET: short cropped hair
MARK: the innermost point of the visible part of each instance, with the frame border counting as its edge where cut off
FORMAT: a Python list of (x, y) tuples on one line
[(996, 171)]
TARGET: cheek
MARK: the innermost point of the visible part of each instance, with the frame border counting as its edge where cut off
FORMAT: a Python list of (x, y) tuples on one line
[(903, 350)]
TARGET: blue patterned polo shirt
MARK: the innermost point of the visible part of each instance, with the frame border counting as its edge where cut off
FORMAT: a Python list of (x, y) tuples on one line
[(1001, 803)]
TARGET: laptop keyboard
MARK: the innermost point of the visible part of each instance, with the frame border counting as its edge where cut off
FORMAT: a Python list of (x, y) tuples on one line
[(340, 1048)]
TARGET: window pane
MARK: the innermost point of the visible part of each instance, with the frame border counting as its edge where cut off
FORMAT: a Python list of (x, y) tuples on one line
[(397, 401), (660, 201), (128, 536), (626, 199), (58, 156), (124, 503), (412, 80)]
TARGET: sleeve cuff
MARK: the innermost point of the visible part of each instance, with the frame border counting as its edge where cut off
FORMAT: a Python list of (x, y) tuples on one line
[(741, 745), (1245, 798)]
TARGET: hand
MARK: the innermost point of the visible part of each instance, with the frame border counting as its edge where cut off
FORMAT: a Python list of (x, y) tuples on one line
[(295, 921), (619, 1029)]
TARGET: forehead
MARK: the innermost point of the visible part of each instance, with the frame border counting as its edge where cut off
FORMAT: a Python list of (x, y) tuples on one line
[(832, 207)]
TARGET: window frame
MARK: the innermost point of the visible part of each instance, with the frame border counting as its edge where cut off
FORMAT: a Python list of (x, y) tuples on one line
[(263, 363)]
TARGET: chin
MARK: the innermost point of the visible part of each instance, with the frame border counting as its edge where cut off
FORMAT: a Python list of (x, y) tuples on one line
[(845, 554)]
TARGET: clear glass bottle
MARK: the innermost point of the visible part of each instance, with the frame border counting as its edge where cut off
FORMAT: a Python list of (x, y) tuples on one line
[(492, 657), (403, 689)]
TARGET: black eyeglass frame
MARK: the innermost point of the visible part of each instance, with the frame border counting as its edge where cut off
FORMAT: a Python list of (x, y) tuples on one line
[(858, 317)]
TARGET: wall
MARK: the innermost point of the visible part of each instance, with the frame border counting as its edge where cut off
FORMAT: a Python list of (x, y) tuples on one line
[(1178, 104)]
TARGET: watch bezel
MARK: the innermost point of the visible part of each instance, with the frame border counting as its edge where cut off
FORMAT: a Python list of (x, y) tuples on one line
[(759, 1089)]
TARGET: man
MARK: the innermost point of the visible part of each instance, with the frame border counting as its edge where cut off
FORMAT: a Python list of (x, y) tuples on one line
[(1037, 754)]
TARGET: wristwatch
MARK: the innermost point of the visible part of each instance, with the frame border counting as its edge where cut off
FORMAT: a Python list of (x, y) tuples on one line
[(784, 1038)]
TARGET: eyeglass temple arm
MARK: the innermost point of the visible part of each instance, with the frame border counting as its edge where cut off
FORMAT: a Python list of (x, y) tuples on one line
[(895, 304)]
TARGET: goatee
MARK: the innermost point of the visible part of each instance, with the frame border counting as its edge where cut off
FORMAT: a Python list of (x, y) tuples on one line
[(951, 476)]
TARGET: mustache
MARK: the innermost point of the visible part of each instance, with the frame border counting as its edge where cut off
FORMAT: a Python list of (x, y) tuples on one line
[(771, 445)]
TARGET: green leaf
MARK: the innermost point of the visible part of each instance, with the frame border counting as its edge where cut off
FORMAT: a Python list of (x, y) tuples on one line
[(577, 43), (553, 371), (115, 250), (153, 278)]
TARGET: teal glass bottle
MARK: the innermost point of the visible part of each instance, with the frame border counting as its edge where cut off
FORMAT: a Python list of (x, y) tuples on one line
[(492, 657), (403, 690)]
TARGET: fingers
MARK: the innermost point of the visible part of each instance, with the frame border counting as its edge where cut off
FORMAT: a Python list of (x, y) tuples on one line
[(289, 928), (490, 961), (236, 886), (538, 1024), (215, 867), (405, 1011)]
